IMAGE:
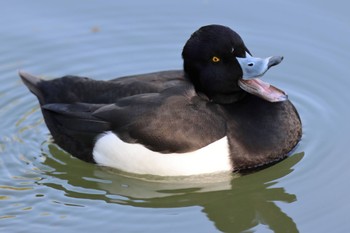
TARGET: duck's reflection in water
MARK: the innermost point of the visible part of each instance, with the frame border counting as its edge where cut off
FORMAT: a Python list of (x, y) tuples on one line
[(234, 203)]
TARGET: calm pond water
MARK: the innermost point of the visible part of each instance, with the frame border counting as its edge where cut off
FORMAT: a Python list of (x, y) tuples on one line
[(43, 189)]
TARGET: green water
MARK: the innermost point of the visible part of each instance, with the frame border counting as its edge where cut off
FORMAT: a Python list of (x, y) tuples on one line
[(43, 189)]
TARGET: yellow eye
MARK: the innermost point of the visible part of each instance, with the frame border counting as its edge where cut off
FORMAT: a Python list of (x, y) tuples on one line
[(215, 59)]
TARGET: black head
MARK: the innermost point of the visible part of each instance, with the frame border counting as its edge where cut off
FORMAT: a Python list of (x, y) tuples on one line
[(211, 62)]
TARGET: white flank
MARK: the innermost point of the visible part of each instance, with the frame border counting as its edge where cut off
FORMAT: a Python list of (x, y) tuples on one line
[(110, 151)]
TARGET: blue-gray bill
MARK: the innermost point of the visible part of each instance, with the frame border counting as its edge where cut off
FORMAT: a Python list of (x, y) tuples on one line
[(252, 69)]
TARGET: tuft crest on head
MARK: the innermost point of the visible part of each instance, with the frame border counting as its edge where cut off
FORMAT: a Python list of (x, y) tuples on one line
[(214, 38)]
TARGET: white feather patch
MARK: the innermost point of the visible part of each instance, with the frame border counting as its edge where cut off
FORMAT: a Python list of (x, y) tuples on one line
[(110, 151)]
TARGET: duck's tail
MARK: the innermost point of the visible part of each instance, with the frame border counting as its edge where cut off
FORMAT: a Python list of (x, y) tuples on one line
[(34, 85), (62, 123)]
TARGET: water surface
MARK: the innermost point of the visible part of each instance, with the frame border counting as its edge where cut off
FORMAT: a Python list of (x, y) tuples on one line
[(44, 189)]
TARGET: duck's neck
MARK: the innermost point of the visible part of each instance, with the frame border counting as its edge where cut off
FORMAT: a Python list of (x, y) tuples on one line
[(219, 98), (224, 99), (230, 98)]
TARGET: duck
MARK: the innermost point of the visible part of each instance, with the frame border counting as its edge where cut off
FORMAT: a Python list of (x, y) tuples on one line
[(215, 115)]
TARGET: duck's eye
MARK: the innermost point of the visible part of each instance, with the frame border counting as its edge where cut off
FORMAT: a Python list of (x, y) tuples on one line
[(215, 59)]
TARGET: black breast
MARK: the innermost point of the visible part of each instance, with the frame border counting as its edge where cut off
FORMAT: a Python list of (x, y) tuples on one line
[(261, 132)]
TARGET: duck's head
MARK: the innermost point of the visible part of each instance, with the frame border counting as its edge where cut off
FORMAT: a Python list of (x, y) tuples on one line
[(221, 67)]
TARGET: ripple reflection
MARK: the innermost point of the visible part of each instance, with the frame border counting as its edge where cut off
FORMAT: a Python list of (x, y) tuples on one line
[(227, 199)]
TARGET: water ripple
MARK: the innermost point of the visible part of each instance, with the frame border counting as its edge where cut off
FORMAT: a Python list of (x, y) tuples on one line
[(43, 186)]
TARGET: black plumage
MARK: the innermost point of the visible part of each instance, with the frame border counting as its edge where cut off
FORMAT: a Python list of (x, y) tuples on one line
[(174, 111)]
